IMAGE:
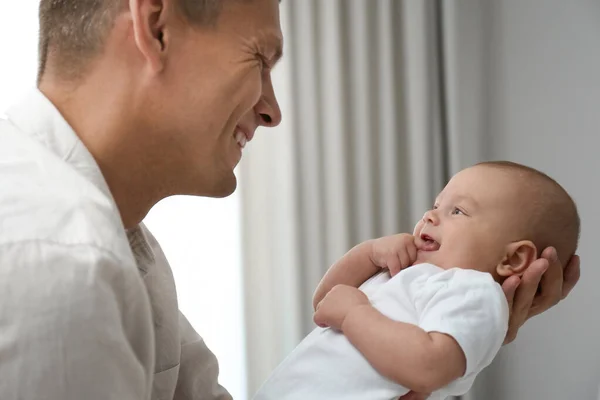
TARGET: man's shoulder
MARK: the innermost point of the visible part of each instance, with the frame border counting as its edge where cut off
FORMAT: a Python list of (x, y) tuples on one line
[(43, 198)]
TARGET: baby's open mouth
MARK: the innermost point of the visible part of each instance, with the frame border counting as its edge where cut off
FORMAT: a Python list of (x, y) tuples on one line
[(429, 244)]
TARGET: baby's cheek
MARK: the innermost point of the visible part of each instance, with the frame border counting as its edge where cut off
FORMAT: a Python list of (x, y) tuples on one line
[(443, 259), (477, 259), (418, 227)]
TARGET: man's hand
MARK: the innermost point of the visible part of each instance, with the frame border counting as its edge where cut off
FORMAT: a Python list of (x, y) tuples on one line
[(524, 298), (333, 309), (394, 252)]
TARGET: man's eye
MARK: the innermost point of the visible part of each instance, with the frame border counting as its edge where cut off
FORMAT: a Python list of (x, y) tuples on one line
[(264, 65)]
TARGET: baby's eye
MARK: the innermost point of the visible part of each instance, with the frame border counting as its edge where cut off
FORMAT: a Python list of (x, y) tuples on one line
[(457, 211)]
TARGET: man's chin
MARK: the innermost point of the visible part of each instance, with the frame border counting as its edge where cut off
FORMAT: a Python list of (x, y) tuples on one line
[(223, 187)]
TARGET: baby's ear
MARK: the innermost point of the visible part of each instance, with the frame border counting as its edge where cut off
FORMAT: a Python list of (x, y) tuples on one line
[(519, 255)]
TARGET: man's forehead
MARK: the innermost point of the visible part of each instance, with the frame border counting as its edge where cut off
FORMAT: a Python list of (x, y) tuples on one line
[(258, 19), (257, 13)]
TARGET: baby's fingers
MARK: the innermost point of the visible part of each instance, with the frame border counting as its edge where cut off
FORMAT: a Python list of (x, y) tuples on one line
[(414, 396), (394, 264), (412, 252), (404, 258)]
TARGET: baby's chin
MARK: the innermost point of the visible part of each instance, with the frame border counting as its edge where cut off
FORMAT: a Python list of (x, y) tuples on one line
[(430, 257), (423, 257)]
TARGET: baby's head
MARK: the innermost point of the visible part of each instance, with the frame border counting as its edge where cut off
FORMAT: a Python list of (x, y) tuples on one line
[(498, 217)]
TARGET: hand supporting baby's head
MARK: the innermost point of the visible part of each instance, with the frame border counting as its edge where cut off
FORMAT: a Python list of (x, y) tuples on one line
[(498, 217)]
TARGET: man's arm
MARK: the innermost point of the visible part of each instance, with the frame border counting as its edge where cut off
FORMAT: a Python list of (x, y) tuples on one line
[(76, 324)]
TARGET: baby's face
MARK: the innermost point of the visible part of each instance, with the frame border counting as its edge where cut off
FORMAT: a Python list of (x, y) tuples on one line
[(473, 221)]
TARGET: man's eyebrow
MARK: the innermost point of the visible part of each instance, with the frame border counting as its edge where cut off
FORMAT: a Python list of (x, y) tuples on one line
[(273, 43), (278, 53)]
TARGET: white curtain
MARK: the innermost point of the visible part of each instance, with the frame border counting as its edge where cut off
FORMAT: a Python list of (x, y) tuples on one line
[(368, 140)]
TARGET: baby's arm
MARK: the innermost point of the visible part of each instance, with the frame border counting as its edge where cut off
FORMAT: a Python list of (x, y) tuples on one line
[(420, 361), (365, 260), (353, 269), (405, 353)]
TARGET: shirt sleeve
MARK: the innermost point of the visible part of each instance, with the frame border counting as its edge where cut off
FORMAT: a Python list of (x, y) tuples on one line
[(470, 307), (199, 369), (76, 324)]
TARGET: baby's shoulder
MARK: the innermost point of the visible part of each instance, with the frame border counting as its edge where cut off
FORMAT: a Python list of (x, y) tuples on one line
[(426, 280), (429, 274)]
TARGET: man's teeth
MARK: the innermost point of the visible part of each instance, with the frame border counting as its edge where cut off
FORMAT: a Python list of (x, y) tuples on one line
[(241, 139)]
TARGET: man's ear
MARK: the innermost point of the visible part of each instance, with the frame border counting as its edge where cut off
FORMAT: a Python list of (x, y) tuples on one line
[(519, 255), (149, 29)]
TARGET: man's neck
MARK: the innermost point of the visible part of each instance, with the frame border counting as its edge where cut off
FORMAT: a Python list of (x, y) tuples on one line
[(105, 122)]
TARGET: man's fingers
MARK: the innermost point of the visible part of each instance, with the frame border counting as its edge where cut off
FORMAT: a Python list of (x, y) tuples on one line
[(524, 293), (540, 288), (550, 284), (509, 287), (571, 275), (527, 298)]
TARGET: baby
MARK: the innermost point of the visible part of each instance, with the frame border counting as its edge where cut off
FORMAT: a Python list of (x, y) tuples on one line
[(433, 327)]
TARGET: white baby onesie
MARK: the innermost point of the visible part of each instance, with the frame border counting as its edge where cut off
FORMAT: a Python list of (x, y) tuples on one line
[(468, 305)]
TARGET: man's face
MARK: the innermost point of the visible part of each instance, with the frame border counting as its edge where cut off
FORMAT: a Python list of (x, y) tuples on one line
[(473, 220), (214, 92)]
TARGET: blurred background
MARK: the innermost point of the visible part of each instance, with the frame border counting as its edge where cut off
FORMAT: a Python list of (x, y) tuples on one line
[(383, 101)]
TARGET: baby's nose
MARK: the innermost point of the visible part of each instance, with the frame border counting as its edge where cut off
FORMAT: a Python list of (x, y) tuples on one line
[(430, 217)]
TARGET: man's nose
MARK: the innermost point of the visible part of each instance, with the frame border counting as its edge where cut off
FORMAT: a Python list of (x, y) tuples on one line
[(267, 107)]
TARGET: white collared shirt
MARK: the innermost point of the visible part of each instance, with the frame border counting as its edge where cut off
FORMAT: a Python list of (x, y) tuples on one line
[(87, 311)]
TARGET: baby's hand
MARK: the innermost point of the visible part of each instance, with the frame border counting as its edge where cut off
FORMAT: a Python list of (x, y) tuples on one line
[(394, 252), (333, 309)]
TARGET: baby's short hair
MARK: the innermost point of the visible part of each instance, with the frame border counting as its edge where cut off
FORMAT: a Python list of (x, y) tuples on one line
[(553, 219)]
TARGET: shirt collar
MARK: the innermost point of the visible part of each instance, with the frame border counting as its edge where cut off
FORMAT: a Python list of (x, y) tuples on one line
[(38, 117)]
